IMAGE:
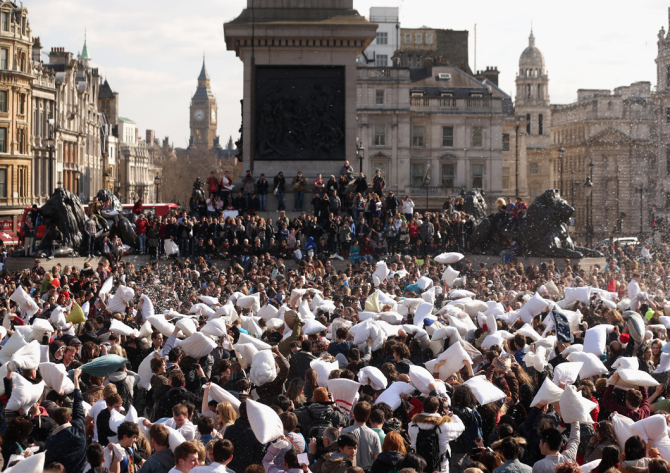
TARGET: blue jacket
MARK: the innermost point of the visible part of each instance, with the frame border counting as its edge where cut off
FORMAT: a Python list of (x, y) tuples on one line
[(513, 466), (68, 446), (160, 462)]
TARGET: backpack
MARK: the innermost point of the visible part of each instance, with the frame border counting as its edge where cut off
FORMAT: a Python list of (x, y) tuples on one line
[(316, 427), (428, 447), (473, 429)]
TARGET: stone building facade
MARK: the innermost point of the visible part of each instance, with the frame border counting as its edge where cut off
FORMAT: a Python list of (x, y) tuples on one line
[(436, 121), (16, 80), (661, 198), (381, 51), (609, 137)]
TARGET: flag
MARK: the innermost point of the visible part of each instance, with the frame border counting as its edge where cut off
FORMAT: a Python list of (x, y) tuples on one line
[(563, 333)]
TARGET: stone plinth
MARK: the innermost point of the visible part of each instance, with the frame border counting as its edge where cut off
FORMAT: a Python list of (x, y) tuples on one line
[(302, 53)]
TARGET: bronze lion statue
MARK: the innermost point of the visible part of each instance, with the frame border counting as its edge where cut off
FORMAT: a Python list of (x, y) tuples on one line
[(541, 232)]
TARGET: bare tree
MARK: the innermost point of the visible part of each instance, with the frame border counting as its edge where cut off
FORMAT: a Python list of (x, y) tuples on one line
[(181, 171)]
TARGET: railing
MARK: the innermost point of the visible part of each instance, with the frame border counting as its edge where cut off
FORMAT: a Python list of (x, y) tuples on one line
[(434, 191), (384, 19), (448, 103), (383, 73)]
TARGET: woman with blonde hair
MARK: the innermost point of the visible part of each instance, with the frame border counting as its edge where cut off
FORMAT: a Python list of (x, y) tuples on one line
[(227, 416)]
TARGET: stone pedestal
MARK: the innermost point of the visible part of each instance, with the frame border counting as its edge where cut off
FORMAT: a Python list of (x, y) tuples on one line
[(299, 108)]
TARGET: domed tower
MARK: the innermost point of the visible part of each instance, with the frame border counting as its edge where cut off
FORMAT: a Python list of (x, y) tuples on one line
[(532, 103)]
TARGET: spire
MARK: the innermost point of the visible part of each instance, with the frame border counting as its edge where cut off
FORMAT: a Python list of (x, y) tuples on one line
[(84, 52), (203, 72), (531, 38)]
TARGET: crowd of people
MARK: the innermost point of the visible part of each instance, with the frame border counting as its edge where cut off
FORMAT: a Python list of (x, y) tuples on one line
[(416, 363)]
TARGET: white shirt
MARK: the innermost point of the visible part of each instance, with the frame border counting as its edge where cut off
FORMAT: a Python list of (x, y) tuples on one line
[(214, 467), (95, 410), (645, 252), (187, 430), (408, 207), (633, 289)]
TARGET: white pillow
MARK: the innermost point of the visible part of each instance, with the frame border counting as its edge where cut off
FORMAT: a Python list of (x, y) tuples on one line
[(15, 342), (32, 464), (637, 378), (175, 438), (424, 282), (421, 378), (217, 327), (274, 324), (370, 375), (573, 349), (622, 426), (454, 357), (449, 258), (197, 345), (548, 392), (577, 294), (595, 339), (56, 377), (161, 325), (146, 306), (344, 392), (202, 309), (323, 369), (429, 295), (369, 329), (252, 302), (246, 351), (449, 276), (590, 466), (484, 391), (460, 294), (527, 331), (268, 311), (536, 304), (312, 327), (391, 395), (28, 357), (118, 301), (567, 372), (265, 423), (57, 317), (209, 300), (244, 338), (263, 368), (652, 428), (24, 393), (144, 371), (664, 365), (537, 360), (424, 310), (218, 394), (122, 329), (187, 326), (391, 317), (472, 308), (381, 272), (592, 365), (574, 408), (495, 339), (115, 419), (626, 363)]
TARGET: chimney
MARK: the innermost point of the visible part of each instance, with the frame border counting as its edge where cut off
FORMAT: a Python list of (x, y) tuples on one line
[(37, 49), (150, 137), (428, 63), (137, 135)]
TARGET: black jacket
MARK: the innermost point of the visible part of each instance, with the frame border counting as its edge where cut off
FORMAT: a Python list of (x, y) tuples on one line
[(248, 450), (68, 447), (387, 461), (300, 363)]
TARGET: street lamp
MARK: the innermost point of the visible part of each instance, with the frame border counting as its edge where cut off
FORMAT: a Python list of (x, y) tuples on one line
[(360, 152), (425, 183), (561, 157), (588, 192), (157, 182), (572, 191)]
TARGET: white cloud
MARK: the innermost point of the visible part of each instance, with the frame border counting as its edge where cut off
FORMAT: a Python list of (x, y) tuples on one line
[(151, 50)]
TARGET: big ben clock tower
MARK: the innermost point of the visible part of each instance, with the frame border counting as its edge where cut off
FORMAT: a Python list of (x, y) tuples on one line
[(203, 112)]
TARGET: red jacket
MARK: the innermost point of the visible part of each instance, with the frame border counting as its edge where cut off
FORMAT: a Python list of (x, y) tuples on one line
[(141, 227), (642, 413)]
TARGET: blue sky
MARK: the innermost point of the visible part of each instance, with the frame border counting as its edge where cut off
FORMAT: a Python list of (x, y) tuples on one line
[(151, 50)]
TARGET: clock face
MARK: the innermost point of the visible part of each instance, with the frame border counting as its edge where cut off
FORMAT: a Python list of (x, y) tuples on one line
[(213, 115), (199, 115)]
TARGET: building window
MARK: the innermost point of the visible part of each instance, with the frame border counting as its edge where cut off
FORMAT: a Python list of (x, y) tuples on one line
[(505, 141), (417, 136), (381, 60), (3, 182), (382, 38), (3, 58), (417, 174), (534, 168), (3, 101), (408, 38), (447, 136), (410, 61), (534, 192), (5, 21), (540, 124), (539, 91), (22, 104), (505, 178), (528, 123), (21, 140), (529, 90), (379, 97), (478, 176), (379, 167), (380, 135), (667, 114), (3, 140), (477, 136), (652, 163), (448, 175), (429, 38), (418, 38)]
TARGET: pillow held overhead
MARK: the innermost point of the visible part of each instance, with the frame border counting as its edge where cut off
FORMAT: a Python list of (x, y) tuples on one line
[(104, 365), (372, 376), (567, 372), (24, 393), (263, 368), (592, 366), (198, 345), (574, 408), (265, 423), (484, 391), (548, 393)]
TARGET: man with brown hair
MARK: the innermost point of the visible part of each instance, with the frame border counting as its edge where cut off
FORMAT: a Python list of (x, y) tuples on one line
[(369, 445), (186, 457), (179, 422), (222, 454), (163, 459), (637, 401)]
